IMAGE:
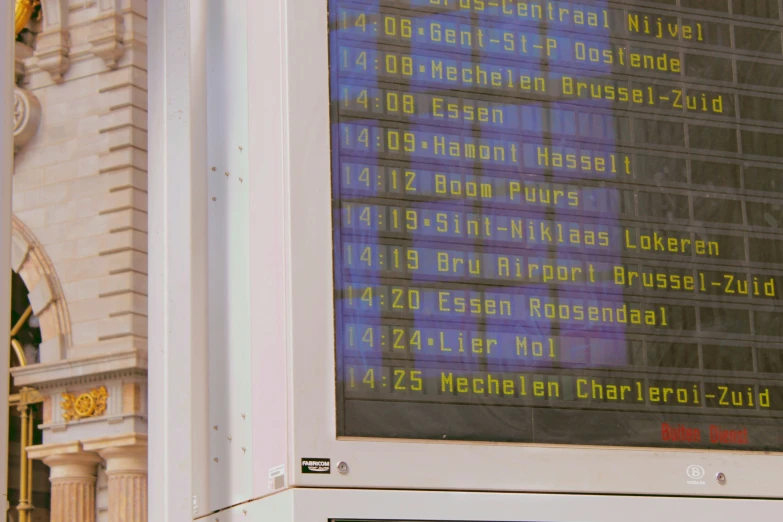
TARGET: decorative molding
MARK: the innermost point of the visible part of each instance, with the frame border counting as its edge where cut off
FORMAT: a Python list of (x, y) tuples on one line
[(63, 407), (29, 396), (72, 475), (106, 32), (82, 371), (114, 388), (52, 349), (89, 404), (43, 451), (130, 420), (27, 117), (30, 261), (126, 468), (53, 43), (22, 52), (125, 440)]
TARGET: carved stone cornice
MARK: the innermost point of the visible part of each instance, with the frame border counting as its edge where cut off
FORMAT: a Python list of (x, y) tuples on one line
[(106, 32), (86, 370), (27, 117), (52, 44), (51, 52), (106, 39), (124, 441)]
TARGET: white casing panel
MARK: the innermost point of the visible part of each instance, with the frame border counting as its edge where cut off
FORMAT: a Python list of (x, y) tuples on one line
[(292, 325), (309, 505), (230, 476)]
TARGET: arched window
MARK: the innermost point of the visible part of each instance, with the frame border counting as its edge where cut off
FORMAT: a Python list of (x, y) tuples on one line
[(28, 485)]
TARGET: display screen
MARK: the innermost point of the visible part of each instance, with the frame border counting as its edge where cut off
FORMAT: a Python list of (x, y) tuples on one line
[(559, 222)]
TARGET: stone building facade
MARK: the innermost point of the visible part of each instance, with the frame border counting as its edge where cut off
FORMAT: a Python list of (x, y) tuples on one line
[(80, 249)]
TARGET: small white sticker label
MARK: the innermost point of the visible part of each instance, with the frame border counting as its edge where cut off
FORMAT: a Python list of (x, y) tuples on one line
[(277, 471)]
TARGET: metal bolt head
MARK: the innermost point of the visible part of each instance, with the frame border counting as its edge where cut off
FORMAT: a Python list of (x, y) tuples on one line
[(342, 467), (721, 478)]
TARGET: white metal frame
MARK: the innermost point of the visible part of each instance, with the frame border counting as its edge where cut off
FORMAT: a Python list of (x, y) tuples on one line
[(321, 505), (230, 476), (177, 260), (7, 75), (291, 260)]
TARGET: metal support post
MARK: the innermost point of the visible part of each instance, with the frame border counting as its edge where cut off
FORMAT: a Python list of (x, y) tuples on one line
[(6, 172)]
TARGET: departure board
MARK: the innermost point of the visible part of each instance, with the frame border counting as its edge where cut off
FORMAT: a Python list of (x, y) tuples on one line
[(559, 222)]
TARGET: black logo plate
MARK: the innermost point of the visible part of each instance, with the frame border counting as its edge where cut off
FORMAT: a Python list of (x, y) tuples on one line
[(316, 466)]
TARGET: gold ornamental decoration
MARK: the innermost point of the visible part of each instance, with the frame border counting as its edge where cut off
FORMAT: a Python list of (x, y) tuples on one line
[(22, 13), (29, 396), (90, 404)]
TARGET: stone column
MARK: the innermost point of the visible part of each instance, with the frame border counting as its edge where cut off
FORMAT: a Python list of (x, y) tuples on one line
[(72, 474), (126, 467)]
